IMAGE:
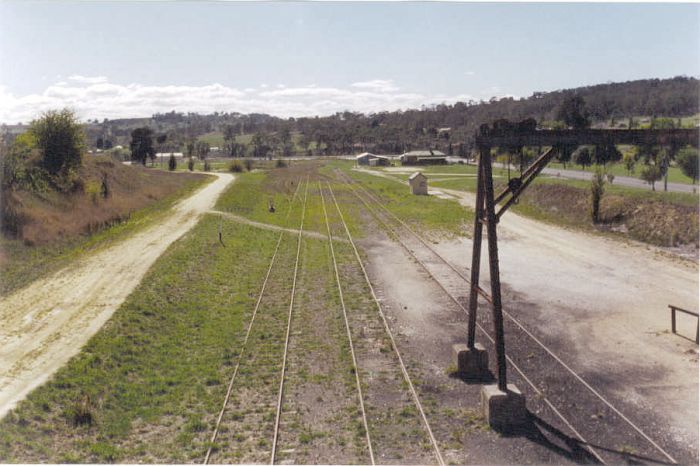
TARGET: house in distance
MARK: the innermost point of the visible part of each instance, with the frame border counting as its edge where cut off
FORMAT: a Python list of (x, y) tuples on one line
[(418, 183), (423, 157)]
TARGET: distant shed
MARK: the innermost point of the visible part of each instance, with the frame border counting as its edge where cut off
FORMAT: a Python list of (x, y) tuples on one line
[(364, 158), (418, 183), (372, 160), (423, 157)]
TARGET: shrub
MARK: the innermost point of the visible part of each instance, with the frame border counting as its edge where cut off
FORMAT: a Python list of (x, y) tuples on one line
[(207, 167), (60, 139), (172, 163), (104, 189), (190, 164), (248, 164), (651, 174), (597, 190), (81, 414), (235, 167), (279, 163), (687, 160), (92, 189)]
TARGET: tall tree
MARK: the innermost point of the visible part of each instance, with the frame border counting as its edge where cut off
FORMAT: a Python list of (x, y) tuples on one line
[(230, 139), (582, 156), (573, 113), (142, 145)]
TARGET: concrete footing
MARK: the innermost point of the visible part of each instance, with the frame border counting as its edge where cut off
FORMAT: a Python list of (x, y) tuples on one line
[(504, 411), (470, 362)]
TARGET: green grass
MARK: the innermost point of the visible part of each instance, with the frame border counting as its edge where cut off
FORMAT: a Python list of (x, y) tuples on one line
[(428, 213), (674, 173), (25, 264), (161, 361), (252, 199)]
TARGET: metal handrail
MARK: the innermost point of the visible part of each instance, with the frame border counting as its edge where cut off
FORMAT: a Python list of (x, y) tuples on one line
[(685, 311)]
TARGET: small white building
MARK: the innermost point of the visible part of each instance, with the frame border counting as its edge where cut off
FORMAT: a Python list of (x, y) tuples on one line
[(418, 183)]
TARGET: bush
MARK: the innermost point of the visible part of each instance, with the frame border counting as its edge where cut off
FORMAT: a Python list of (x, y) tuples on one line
[(60, 139), (190, 164), (279, 163), (597, 190), (651, 174), (172, 163), (248, 164), (235, 167), (207, 167), (81, 413), (687, 160)]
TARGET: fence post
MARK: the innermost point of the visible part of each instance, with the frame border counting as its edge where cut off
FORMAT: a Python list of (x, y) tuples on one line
[(673, 319)]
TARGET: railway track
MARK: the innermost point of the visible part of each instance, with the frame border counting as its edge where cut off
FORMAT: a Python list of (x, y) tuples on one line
[(252, 408), (452, 279), (356, 371), (289, 326), (370, 334)]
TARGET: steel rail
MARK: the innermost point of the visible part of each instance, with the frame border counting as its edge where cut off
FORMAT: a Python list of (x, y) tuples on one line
[(247, 335), (407, 378), (488, 336), (536, 340), (347, 328), (289, 326)]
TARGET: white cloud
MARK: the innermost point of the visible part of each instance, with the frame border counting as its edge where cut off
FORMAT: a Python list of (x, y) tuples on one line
[(380, 85), (88, 79), (98, 98)]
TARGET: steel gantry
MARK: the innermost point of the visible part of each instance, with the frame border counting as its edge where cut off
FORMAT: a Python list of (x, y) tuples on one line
[(488, 213)]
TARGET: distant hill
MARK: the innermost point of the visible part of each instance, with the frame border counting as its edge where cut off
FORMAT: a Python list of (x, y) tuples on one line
[(449, 128)]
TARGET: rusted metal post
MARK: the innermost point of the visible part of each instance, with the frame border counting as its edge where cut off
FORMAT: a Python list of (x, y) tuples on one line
[(491, 219), (673, 319), (476, 250)]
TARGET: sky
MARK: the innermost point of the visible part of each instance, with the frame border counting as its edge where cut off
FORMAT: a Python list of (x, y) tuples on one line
[(133, 59)]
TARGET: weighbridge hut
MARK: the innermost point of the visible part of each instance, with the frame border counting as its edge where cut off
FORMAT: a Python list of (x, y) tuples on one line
[(418, 183)]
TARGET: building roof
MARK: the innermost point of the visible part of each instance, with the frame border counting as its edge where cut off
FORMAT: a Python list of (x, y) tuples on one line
[(416, 175), (365, 154), (425, 153)]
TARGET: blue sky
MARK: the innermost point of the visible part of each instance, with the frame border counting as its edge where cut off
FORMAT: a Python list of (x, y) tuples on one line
[(109, 59)]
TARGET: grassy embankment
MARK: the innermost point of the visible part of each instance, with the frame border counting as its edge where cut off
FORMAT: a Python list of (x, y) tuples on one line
[(655, 217), (60, 228)]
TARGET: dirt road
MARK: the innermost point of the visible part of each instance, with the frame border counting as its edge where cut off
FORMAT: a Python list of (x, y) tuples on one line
[(47, 322)]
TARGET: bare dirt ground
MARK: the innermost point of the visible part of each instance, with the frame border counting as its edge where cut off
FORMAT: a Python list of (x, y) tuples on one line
[(609, 299), (47, 322), (601, 304)]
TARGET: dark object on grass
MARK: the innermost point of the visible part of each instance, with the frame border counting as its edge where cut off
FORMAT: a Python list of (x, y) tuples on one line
[(271, 206)]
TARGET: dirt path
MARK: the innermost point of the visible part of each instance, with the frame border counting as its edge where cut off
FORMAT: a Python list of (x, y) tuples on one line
[(47, 322), (269, 226)]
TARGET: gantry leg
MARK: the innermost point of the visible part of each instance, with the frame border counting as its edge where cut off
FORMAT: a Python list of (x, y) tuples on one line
[(476, 252), (485, 162)]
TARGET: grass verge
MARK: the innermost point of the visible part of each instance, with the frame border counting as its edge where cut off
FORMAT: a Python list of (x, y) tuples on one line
[(22, 264)]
